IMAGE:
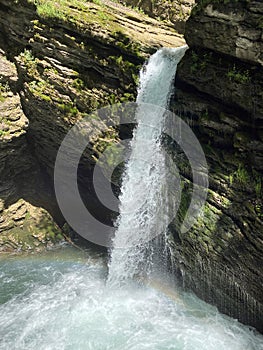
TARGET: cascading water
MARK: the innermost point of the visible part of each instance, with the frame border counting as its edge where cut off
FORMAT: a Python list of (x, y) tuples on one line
[(59, 299), (143, 201)]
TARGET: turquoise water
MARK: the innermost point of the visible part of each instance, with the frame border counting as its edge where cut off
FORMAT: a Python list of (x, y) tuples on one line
[(60, 300)]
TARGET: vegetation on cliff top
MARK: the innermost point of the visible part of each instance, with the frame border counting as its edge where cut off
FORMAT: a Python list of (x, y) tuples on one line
[(95, 14), (76, 11), (130, 30)]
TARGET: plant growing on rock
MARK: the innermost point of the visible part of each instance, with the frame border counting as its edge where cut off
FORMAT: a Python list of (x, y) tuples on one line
[(238, 76), (4, 89), (199, 61), (27, 56)]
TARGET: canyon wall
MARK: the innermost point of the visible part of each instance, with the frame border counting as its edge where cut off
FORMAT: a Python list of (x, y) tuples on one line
[(174, 11), (219, 92), (58, 64)]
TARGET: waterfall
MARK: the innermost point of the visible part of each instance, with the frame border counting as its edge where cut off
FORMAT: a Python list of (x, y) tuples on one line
[(144, 198)]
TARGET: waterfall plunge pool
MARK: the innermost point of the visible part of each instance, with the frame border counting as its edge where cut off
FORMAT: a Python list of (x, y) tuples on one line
[(64, 299), (60, 300)]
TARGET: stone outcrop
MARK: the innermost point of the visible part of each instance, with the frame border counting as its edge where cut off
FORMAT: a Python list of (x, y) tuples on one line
[(26, 227), (175, 11), (67, 62), (76, 63), (21, 220), (234, 29), (219, 92)]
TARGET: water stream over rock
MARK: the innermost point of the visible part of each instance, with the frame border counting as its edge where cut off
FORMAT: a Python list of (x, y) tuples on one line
[(65, 300), (143, 201)]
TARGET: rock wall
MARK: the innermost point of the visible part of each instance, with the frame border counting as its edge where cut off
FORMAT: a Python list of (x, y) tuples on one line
[(175, 11), (219, 92), (23, 224), (70, 60)]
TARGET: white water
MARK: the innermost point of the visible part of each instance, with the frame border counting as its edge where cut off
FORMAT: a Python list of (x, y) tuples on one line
[(59, 301), (143, 209)]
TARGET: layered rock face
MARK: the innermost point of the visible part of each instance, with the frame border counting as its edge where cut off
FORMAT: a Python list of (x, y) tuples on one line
[(23, 224), (175, 11), (70, 60), (219, 92)]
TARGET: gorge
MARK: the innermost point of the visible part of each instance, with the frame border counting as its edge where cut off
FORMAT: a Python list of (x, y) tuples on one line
[(58, 65)]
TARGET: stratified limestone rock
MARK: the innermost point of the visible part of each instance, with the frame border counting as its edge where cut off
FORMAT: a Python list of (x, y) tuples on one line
[(22, 225), (104, 25), (220, 94), (14, 152), (71, 59), (175, 11), (26, 227), (233, 29)]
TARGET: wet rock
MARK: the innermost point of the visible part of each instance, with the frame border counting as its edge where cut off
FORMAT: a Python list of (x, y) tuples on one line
[(19, 220), (219, 93), (65, 66), (26, 227)]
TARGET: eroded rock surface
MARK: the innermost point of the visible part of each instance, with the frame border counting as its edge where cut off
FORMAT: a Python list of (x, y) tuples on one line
[(175, 11), (23, 225), (68, 60), (233, 29), (219, 93)]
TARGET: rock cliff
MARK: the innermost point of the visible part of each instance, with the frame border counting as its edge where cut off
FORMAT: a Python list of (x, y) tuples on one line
[(67, 60), (175, 11), (59, 62), (24, 222), (219, 92)]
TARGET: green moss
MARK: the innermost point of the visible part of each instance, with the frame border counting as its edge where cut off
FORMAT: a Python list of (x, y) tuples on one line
[(81, 13), (51, 234), (103, 16), (127, 97), (107, 139), (27, 56), (242, 175), (199, 61), (260, 23), (2, 133), (48, 9), (259, 210), (40, 89), (257, 181), (126, 67), (123, 41), (185, 202), (32, 235), (238, 75), (68, 108), (29, 61), (78, 84), (4, 89), (75, 11), (59, 237), (246, 177)]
